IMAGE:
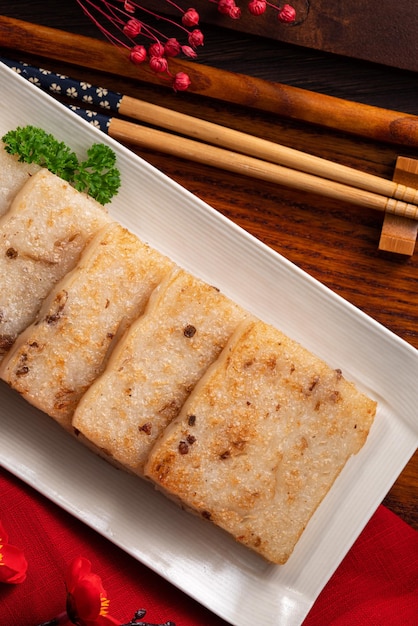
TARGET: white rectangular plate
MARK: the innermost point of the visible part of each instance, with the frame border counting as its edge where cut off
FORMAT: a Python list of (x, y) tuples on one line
[(193, 554)]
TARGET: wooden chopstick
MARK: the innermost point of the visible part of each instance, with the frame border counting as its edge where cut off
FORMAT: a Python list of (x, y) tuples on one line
[(291, 102), (263, 149), (134, 134), (208, 154), (211, 133)]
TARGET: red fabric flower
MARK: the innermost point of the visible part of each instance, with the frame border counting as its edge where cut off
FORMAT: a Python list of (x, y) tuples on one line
[(13, 564), (87, 602)]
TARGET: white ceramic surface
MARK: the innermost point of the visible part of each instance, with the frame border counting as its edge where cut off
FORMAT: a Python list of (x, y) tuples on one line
[(193, 554)]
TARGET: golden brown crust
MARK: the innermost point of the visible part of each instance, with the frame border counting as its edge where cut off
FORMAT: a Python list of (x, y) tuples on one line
[(266, 426), (41, 238), (14, 174), (261, 440), (55, 360), (155, 367)]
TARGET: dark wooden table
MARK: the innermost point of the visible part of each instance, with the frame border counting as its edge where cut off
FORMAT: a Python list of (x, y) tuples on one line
[(333, 241)]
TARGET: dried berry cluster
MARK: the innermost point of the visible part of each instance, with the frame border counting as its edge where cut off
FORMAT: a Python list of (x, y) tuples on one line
[(127, 23)]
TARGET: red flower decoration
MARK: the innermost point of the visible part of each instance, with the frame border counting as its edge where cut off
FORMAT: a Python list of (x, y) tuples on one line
[(132, 28), (257, 7), (109, 12), (181, 81), (158, 64), (156, 49), (87, 602), (172, 47), (195, 38), (138, 54), (13, 564), (287, 14), (190, 18)]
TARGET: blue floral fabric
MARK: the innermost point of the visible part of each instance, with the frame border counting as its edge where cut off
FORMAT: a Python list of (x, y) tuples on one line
[(61, 85)]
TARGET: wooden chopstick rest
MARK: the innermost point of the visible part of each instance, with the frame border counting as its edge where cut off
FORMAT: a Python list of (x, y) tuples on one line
[(399, 234)]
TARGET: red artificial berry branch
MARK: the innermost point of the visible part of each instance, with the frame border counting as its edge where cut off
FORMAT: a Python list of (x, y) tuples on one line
[(257, 7), (122, 22)]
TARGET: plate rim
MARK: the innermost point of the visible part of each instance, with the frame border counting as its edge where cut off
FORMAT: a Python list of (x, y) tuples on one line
[(296, 601)]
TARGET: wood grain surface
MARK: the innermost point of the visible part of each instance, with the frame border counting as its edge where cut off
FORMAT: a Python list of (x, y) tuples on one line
[(335, 242), (236, 88), (373, 31)]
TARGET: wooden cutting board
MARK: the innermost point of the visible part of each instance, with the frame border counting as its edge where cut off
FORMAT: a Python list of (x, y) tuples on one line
[(380, 31)]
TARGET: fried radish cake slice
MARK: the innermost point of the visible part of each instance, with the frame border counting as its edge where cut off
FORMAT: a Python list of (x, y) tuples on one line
[(13, 175), (56, 358), (261, 440), (154, 368), (41, 238)]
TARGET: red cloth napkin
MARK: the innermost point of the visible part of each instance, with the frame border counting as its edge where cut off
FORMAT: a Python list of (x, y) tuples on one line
[(376, 584)]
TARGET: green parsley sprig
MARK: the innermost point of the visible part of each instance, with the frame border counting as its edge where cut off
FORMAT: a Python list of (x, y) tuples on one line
[(96, 176)]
